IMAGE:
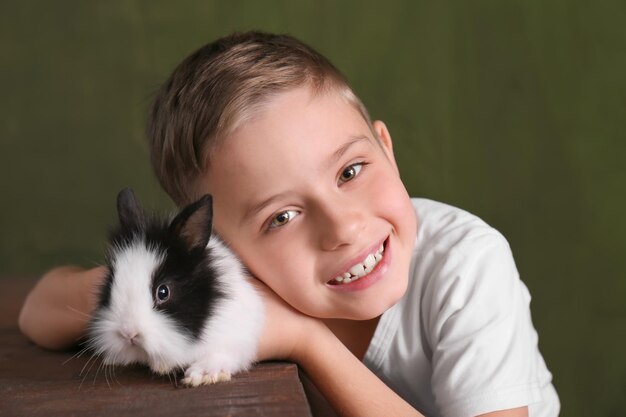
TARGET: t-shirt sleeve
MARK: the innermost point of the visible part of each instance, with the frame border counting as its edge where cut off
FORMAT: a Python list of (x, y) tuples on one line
[(478, 323)]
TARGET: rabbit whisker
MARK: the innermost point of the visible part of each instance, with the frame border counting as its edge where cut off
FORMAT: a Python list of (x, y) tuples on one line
[(76, 355), (93, 359), (82, 315)]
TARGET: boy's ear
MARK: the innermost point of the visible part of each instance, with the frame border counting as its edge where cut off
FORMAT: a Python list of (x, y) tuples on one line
[(193, 224), (128, 209), (385, 140)]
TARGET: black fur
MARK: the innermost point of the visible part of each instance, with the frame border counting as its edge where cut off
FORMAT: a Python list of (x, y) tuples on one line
[(187, 267)]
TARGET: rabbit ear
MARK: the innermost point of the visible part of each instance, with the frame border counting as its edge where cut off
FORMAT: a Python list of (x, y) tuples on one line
[(193, 223), (128, 209)]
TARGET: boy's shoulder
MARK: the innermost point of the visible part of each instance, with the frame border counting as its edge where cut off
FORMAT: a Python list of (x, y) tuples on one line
[(445, 226), (467, 312), (458, 254)]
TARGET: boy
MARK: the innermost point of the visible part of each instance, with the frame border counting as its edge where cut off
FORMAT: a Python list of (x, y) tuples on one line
[(391, 305)]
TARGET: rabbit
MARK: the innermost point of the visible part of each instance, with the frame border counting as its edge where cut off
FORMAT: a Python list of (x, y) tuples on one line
[(175, 297)]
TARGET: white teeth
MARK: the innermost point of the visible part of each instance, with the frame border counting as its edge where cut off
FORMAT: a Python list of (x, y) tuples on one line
[(379, 253), (370, 261), (361, 269), (358, 270)]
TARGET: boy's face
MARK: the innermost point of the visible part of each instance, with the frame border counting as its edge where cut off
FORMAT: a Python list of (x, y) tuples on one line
[(304, 193)]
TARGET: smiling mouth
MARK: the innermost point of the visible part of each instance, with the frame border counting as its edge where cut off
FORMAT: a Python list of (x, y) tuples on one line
[(360, 269)]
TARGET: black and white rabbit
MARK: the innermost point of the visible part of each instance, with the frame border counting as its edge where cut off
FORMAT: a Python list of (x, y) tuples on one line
[(175, 297)]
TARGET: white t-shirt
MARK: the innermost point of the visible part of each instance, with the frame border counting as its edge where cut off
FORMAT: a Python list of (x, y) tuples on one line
[(461, 341)]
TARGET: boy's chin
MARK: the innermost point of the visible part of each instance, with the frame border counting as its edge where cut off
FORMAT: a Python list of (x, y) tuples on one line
[(372, 311), (389, 301)]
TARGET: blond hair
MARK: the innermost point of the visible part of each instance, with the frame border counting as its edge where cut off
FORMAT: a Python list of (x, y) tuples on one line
[(219, 87)]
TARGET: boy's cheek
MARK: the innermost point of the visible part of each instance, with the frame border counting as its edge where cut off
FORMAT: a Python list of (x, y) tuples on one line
[(285, 274), (269, 264)]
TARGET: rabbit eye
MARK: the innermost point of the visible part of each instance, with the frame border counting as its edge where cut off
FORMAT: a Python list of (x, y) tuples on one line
[(162, 294)]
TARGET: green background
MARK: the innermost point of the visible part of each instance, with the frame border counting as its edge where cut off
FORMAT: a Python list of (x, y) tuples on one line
[(513, 110)]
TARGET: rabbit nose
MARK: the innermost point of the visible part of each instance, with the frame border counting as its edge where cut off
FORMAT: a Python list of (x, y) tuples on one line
[(131, 335)]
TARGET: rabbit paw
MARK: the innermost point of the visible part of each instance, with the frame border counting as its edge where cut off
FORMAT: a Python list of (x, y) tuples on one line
[(197, 375)]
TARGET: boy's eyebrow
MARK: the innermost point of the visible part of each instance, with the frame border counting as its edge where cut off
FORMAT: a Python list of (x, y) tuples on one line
[(255, 208), (343, 148)]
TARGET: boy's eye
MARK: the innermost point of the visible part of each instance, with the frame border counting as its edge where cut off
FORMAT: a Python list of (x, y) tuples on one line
[(350, 172), (282, 218)]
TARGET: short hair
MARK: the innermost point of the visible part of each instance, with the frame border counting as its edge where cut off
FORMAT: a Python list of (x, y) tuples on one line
[(216, 89)]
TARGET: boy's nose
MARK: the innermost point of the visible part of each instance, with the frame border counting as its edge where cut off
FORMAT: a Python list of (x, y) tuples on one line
[(339, 226)]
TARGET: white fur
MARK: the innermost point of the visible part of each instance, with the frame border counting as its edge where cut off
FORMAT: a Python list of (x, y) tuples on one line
[(227, 343), (229, 340)]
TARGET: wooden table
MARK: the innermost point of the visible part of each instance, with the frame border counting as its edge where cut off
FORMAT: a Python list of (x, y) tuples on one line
[(36, 382)]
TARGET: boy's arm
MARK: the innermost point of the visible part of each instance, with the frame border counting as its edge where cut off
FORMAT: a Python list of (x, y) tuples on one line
[(57, 310), (348, 385)]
